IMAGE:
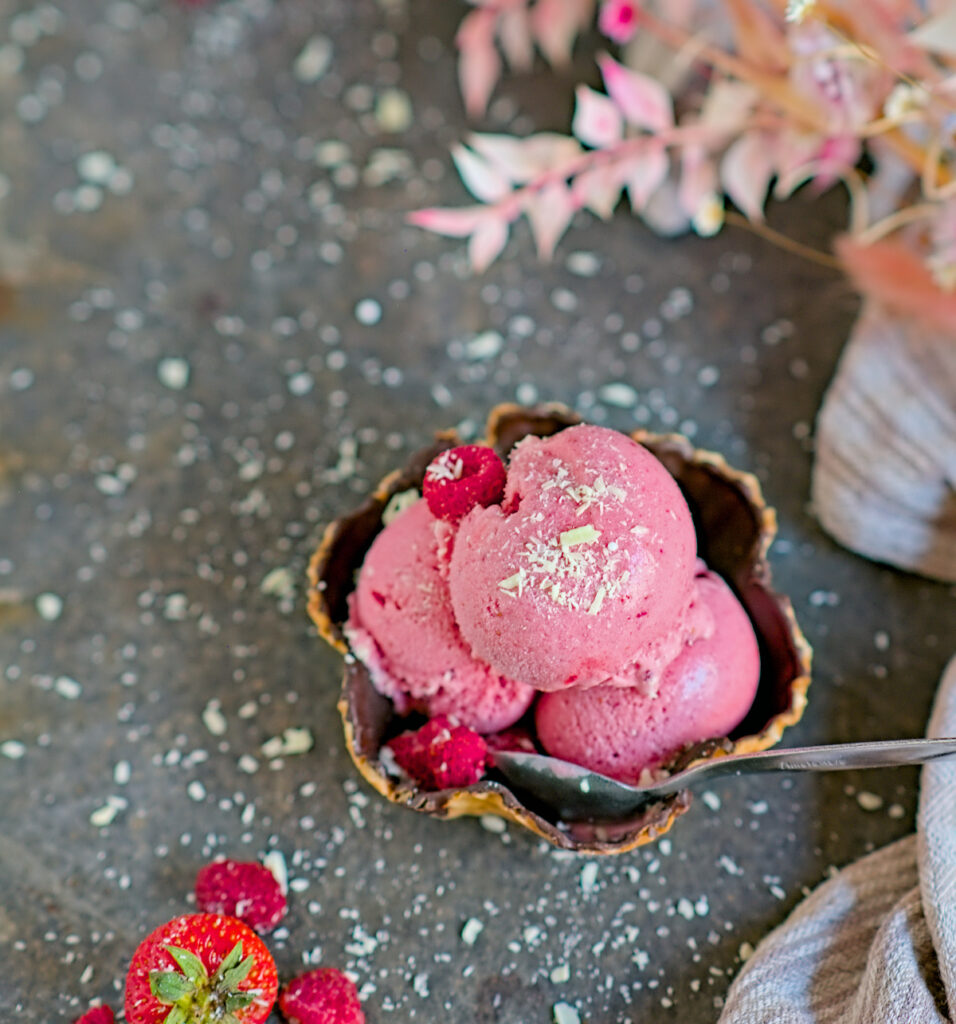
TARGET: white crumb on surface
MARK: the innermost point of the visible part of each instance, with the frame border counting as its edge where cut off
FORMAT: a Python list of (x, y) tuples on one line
[(869, 801), (13, 749), (173, 373), (565, 1013), (49, 606), (213, 718)]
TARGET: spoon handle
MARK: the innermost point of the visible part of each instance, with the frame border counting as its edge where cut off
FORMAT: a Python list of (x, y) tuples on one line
[(873, 754)]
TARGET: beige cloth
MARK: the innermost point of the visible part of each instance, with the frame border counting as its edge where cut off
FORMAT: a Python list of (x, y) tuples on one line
[(876, 944)]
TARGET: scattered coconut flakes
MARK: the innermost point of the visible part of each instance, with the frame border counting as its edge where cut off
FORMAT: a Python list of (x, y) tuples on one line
[(589, 874), (565, 1013), (173, 373), (471, 930), (492, 823), (292, 741), (485, 345), (583, 264), (106, 814), (560, 974), (586, 534), (420, 984), (196, 791), (393, 110), (711, 799), (685, 908), (314, 59), (248, 764), (96, 167), (67, 687), (618, 394), (895, 811), (368, 312), (279, 582), (213, 718), (49, 606), (13, 749), (274, 860), (397, 503), (746, 951), (869, 801), (122, 773)]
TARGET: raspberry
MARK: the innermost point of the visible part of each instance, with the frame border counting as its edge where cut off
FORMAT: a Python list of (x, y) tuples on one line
[(460, 478), (96, 1015), (322, 996), (517, 738), (440, 755), (248, 891)]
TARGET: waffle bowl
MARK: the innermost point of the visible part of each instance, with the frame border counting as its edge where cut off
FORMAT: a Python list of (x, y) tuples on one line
[(734, 530)]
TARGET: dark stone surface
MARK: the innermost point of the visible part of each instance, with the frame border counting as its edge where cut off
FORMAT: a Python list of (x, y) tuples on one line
[(156, 513)]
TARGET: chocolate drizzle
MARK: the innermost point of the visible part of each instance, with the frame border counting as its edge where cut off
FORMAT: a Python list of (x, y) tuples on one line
[(734, 530)]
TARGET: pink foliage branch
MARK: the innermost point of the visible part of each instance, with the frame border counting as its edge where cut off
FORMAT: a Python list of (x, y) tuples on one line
[(514, 29), (785, 102)]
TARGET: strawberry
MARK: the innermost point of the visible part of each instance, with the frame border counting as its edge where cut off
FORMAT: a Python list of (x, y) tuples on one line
[(440, 755), (201, 969), (247, 890), (96, 1015), (460, 478), (322, 996)]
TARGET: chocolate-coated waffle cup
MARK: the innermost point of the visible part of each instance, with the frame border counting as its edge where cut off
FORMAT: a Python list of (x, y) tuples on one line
[(734, 530)]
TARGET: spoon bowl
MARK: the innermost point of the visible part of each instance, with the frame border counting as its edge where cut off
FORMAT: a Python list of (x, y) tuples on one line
[(578, 794)]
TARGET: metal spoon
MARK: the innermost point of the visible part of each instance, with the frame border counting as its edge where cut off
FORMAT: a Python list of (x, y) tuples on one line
[(578, 794)]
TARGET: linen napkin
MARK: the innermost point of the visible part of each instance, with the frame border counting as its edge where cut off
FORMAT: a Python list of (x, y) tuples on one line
[(876, 944)]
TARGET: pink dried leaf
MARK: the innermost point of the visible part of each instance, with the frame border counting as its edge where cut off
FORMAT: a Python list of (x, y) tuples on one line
[(486, 243), (454, 223), (481, 179), (642, 100), (894, 274), (728, 105), (663, 213), (758, 35), (835, 157), (938, 34), (698, 180), (597, 120), (549, 212), (745, 173), (793, 154), (555, 25), (644, 173), (584, 11), (598, 190), (522, 160), (479, 65), (514, 34)]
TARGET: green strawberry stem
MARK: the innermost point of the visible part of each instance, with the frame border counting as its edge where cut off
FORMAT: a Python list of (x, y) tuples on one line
[(196, 998)]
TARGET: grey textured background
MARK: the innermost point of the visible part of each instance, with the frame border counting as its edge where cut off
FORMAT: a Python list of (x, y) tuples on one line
[(225, 238)]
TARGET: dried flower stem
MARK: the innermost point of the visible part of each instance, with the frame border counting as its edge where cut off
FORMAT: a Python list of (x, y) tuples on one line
[(895, 221), (783, 241)]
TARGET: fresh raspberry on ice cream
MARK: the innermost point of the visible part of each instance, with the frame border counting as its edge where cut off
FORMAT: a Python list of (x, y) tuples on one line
[(322, 996), (440, 755), (248, 891), (460, 479)]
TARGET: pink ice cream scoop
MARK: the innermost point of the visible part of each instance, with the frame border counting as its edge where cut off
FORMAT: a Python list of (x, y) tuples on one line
[(402, 628), (588, 560), (704, 693)]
